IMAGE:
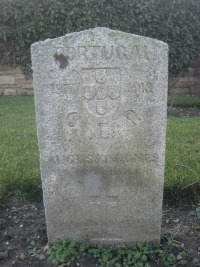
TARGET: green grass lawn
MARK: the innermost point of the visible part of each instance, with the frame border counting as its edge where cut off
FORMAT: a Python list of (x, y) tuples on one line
[(182, 170), (184, 101), (19, 159)]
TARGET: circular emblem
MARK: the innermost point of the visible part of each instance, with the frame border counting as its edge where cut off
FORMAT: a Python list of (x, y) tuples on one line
[(102, 94)]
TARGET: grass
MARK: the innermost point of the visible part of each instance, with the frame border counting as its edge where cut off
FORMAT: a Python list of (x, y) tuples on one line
[(19, 168), (19, 160), (184, 101), (182, 171)]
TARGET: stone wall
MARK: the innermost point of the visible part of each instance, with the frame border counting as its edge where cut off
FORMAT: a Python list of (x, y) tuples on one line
[(187, 84), (13, 82)]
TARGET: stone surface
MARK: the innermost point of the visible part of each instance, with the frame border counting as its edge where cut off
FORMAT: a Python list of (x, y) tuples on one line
[(13, 82), (24, 91), (100, 99), (7, 80), (10, 91), (1, 91)]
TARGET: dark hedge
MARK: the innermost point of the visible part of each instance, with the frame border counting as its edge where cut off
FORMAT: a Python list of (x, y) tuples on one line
[(23, 22)]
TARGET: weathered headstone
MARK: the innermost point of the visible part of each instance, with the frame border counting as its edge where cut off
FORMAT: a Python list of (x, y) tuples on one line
[(100, 100)]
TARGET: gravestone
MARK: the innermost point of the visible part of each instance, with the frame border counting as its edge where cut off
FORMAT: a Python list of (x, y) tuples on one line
[(100, 98)]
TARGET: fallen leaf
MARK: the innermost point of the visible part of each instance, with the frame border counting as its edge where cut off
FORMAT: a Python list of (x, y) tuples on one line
[(45, 249), (179, 257)]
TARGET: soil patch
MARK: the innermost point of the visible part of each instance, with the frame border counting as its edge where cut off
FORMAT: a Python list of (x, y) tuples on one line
[(23, 228)]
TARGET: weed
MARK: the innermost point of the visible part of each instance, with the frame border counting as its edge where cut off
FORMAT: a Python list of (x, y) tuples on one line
[(2, 223), (65, 251), (196, 262), (22, 256), (171, 237), (139, 255), (19, 195), (195, 212)]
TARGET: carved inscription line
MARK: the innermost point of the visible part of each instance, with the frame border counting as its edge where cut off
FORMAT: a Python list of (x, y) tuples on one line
[(88, 52), (106, 52), (91, 52)]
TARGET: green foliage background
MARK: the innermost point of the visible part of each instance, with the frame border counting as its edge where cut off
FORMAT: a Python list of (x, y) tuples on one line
[(23, 22)]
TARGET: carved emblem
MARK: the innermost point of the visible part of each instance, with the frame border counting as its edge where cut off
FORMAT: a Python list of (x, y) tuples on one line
[(101, 90)]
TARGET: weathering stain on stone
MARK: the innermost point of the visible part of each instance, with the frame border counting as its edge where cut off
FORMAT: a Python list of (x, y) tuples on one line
[(63, 60)]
